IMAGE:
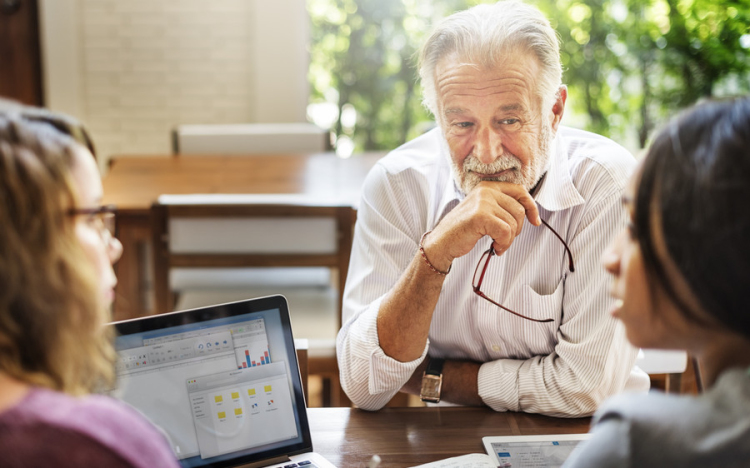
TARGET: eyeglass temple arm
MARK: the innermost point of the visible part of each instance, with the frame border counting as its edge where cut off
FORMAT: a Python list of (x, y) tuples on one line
[(567, 249)]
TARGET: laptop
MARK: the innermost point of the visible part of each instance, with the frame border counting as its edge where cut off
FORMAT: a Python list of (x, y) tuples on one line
[(222, 382)]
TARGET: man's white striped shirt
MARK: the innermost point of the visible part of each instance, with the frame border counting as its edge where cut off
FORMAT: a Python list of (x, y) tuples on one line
[(566, 367)]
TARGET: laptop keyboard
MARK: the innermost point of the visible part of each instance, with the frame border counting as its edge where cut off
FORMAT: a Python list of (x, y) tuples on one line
[(302, 464)]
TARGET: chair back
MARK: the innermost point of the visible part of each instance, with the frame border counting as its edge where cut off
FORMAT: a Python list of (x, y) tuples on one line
[(232, 231), (250, 139), (672, 364)]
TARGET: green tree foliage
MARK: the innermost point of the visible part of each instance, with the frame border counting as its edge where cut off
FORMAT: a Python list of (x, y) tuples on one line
[(628, 64)]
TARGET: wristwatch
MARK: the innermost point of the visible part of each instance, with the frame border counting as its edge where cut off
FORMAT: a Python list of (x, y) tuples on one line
[(432, 381)]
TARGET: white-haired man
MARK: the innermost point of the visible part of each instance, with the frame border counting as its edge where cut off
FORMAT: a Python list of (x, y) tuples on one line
[(450, 294)]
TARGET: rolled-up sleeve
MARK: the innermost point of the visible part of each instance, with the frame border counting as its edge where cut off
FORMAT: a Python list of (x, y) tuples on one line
[(382, 247)]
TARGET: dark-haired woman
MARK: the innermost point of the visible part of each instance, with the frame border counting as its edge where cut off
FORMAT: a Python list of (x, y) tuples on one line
[(682, 279)]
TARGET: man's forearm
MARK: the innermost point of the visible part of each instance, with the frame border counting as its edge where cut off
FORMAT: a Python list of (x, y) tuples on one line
[(405, 314)]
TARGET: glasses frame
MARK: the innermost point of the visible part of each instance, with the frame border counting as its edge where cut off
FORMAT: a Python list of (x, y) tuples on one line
[(105, 213), (485, 258)]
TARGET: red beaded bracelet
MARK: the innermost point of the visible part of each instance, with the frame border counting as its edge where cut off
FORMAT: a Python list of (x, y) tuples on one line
[(421, 251)]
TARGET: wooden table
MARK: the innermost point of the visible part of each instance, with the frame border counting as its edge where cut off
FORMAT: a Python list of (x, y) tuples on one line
[(404, 437), (135, 182)]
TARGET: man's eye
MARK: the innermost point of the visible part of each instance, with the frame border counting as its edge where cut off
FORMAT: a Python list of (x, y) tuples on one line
[(510, 121), (463, 124)]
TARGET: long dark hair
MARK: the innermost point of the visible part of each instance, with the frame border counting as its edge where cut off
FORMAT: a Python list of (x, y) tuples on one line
[(697, 175)]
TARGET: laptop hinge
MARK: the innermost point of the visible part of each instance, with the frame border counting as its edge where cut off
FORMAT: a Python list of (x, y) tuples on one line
[(266, 462)]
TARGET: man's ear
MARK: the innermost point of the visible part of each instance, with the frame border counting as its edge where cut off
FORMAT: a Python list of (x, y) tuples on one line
[(558, 107)]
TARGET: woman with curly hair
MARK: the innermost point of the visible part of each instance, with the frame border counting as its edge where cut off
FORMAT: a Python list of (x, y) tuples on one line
[(56, 288)]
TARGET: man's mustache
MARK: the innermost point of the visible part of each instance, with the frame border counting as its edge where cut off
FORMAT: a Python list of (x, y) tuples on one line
[(503, 163)]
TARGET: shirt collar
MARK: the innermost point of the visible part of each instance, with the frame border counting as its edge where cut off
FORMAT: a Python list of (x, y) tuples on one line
[(556, 190), (451, 195)]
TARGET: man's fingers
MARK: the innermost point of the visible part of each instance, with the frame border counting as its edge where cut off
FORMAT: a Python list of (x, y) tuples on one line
[(532, 211), (520, 195), (510, 208), (502, 233)]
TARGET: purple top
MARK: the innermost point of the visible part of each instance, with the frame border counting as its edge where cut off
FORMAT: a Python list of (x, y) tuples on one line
[(48, 428)]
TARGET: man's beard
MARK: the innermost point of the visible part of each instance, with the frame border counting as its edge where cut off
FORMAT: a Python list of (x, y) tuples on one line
[(527, 176)]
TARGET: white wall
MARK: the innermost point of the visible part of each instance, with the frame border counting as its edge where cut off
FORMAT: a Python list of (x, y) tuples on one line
[(132, 70), (282, 34)]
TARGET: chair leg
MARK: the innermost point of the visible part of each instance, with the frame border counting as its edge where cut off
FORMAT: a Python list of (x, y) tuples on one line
[(673, 383), (399, 400), (697, 371), (326, 390)]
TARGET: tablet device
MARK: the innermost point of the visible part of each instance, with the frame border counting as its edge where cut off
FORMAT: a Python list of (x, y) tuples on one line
[(538, 451)]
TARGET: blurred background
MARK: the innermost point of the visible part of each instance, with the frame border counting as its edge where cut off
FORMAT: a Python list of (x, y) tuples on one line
[(133, 70), (628, 64)]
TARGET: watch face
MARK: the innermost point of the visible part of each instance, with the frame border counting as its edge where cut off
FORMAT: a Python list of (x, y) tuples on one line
[(431, 387)]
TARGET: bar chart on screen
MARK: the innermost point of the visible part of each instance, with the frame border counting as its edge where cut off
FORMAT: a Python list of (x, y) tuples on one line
[(251, 344), (252, 359)]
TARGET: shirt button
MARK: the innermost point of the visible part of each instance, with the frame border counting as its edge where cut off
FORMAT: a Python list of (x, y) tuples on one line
[(495, 347)]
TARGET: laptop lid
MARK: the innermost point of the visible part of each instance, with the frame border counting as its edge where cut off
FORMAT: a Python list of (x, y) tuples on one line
[(222, 381)]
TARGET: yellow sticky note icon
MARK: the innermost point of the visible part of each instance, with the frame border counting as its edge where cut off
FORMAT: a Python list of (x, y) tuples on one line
[(251, 392), (218, 399), (235, 395), (238, 411), (267, 388), (222, 414)]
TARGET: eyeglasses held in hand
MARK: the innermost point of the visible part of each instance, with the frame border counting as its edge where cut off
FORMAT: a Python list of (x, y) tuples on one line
[(484, 262)]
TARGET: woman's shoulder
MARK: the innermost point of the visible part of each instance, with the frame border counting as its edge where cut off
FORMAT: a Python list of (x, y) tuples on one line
[(669, 428), (107, 427), (729, 399), (95, 414)]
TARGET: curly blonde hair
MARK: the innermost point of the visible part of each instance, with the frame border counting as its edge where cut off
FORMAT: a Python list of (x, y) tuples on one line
[(52, 320)]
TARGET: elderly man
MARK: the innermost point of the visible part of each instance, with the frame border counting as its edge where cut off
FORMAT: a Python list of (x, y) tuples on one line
[(475, 275)]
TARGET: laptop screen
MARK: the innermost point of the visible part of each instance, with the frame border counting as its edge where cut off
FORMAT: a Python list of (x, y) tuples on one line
[(222, 381)]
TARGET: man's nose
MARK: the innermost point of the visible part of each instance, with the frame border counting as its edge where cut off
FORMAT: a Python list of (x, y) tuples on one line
[(488, 146)]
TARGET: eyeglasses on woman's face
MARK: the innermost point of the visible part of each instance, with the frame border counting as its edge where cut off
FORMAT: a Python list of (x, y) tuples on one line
[(481, 270), (101, 218)]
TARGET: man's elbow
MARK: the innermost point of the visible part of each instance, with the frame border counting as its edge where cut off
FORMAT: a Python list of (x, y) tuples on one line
[(368, 405), (358, 393), (362, 399), (584, 402)]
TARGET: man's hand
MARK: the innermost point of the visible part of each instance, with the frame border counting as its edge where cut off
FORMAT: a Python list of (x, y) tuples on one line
[(495, 209)]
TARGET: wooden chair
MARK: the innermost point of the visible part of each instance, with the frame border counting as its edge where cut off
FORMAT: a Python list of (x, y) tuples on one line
[(668, 369), (261, 231), (247, 139)]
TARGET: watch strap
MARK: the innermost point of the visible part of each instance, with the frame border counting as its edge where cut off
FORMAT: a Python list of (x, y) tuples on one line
[(435, 366)]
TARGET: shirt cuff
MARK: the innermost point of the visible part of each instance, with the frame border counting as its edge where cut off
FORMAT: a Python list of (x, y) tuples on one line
[(498, 384), (386, 374)]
